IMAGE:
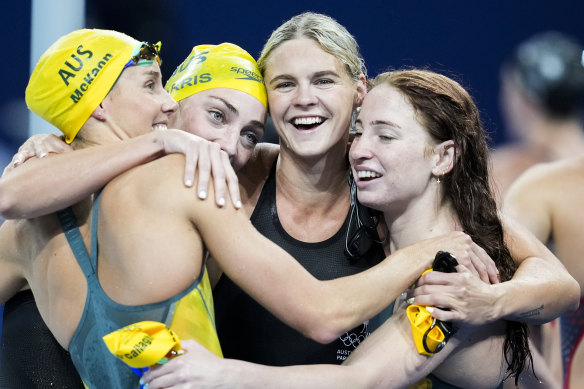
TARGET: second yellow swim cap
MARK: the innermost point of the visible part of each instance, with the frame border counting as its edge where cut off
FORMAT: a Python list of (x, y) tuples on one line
[(217, 66)]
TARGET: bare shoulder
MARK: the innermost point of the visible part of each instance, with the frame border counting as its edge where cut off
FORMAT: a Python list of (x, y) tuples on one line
[(253, 175), (157, 183), (553, 177)]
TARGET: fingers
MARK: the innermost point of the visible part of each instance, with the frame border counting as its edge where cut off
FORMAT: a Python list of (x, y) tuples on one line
[(218, 169), (232, 182), (490, 266), (444, 315), (204, 169), (191, 159), (157, 377)]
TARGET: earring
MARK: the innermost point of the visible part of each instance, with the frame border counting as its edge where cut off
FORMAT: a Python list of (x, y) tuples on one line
[(438, 178)]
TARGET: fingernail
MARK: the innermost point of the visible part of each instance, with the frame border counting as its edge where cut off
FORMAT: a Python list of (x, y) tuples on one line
[(410, 300), (430, 309), (141, 381), (146, 386), (202, 195), (189, 182), (221, 202), (238, 204), (42, 155)]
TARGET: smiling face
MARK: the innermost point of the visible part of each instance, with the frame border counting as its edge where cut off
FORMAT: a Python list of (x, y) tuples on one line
[(392, 154), (311, 97), (232, 118), (138, 102)]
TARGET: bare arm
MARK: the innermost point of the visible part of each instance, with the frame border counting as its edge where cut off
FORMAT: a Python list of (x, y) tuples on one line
[(540, 290), (11, 277), (386, 359), (321, 310), (42, 186)]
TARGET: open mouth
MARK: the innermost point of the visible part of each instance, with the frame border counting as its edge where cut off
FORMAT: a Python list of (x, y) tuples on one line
[(307, 123), (159, 127), (367, 175)]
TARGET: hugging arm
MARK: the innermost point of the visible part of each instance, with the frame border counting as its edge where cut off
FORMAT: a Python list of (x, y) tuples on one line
[(321, 310), (11, 277), (540, 290), (44, 185), (386, 359)]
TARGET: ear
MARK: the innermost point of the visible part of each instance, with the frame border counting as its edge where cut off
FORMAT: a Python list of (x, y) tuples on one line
[(444, 155), (99, 113), (361, 90)]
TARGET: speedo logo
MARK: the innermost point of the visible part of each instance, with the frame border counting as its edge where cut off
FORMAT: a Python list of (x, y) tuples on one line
[(249, 75)]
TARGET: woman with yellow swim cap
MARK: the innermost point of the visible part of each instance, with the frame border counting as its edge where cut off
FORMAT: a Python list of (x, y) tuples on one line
[(323, 185)]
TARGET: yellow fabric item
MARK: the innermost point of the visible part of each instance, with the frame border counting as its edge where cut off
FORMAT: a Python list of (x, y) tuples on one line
[(143, 344), (194, 317), (217, 66), (75, 74), (146, 343)]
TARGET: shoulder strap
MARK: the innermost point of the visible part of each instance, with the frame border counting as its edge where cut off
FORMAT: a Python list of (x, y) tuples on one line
[(69, 226)]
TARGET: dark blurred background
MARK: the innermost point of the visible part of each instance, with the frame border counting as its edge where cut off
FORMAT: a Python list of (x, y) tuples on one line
[(465, 39)]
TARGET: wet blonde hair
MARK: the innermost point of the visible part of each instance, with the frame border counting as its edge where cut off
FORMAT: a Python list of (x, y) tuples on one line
[(330, 35)]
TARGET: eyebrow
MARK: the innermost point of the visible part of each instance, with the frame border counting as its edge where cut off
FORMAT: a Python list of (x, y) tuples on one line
[(381, 122), (227, 104), (255, 124), (154, 73), (386, 123), (315, 75)]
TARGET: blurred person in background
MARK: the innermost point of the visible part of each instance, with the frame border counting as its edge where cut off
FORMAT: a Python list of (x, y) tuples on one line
[(542, 98), (542, 91), (548, 199)]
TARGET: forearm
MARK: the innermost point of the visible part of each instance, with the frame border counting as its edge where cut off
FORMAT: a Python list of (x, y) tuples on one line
[(540, 291), (369, 292), (43, 186)]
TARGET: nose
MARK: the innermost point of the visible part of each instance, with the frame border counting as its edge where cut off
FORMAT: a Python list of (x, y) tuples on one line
[(228, 142), (304, 95), (360, 149), (169, 105)]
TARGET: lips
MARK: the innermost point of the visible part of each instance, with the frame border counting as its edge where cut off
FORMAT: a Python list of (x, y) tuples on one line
[(159, 127), (307, 122), (367, 175)]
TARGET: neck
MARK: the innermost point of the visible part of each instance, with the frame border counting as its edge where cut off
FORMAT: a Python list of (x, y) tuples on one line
[(421, 219), (316, 180)]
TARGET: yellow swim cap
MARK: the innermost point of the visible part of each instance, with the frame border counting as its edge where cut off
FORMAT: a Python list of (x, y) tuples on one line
[(217, 66), (74, 76)]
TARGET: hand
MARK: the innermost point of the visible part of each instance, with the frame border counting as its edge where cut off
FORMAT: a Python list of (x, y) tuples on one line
[(38, 146), (197, 367), (467, 253), (210, 159), (460, 297)]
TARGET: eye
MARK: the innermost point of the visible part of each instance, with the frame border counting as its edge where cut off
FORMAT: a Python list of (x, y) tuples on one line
[(217, 116), (150, 85), (358, 133), (250, 139), (386, 138), (284, 85), (324, 82)]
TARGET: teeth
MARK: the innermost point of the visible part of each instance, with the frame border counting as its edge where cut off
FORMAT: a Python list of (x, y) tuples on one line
[(307, 121), (159, 127), (367, 174)]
